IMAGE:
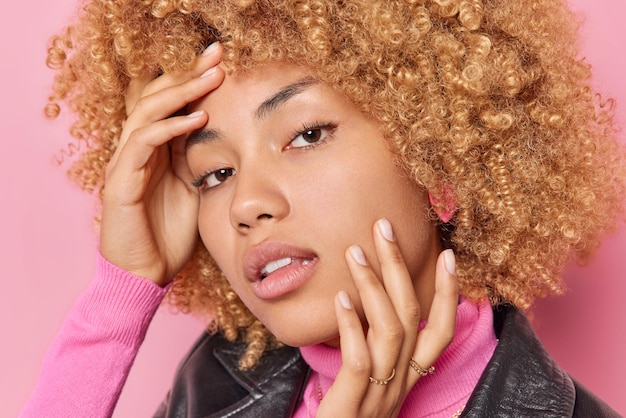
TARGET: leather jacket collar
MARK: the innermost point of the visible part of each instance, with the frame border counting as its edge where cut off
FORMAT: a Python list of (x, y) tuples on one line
[(209, 382), (521, 380)]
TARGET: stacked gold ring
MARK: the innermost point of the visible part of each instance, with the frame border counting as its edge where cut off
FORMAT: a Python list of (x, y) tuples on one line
[(419, 369)]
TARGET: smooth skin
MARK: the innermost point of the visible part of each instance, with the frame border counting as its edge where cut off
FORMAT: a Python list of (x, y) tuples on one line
[(286, 162), (149, 227)]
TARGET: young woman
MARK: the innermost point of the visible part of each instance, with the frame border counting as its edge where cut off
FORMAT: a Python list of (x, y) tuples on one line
[(326, 153)]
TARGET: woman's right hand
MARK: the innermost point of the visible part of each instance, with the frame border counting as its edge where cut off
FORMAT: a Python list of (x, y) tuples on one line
[(150, 208), (381, 364)]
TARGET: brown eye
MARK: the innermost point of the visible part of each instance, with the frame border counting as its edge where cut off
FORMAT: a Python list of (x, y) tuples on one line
[(223, 174), (214, 178), (312, 136), (308, 137)]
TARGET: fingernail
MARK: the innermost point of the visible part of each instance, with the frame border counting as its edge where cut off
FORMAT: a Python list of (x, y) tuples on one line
[(208, 72), (195, 114), (357, 254), (449, 261), (385, 229), (344, 299), (210, 49)]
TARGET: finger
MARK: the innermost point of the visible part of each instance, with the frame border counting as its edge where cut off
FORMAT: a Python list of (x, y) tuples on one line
[(345, 395), (396, 277), (439, 331), (209, 58), (442, 316), (149, 84), (398, 285), (385, 333), (143, 141)]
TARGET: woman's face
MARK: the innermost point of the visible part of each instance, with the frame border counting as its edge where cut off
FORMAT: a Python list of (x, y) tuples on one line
[(290, 175)]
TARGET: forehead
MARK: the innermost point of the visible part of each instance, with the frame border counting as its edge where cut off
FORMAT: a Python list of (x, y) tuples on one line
[(251, 87)]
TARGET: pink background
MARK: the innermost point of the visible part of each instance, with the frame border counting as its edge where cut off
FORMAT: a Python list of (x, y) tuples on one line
[(48, 241)]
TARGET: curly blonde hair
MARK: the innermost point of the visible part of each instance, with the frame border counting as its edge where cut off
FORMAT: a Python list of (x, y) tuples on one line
[(487, 98)]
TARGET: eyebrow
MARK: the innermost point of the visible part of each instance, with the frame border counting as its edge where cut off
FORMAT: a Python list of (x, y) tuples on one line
[(283, 95), (268, 106)]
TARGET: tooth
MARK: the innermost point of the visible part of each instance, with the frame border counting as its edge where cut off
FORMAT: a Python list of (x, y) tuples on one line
[(272, 266), (305, 262)]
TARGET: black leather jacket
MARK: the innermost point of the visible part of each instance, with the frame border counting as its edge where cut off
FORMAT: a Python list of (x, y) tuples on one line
[(521, 380)]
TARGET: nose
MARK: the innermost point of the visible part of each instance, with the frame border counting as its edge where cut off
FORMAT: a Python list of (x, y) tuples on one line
[(259, 198)]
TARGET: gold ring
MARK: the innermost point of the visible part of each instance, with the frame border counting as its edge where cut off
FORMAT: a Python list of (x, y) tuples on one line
[(419, 369), (384, 381)]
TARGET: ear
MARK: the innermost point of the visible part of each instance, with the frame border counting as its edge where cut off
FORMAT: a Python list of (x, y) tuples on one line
[(445, 205)]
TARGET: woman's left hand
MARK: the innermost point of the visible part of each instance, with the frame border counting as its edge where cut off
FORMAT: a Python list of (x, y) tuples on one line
[(392, 340)]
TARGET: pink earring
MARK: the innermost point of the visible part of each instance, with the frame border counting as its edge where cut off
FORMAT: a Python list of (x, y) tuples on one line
[(444, 208)]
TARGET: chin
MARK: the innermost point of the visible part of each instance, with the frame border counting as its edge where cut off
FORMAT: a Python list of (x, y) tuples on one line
[(302, 337)]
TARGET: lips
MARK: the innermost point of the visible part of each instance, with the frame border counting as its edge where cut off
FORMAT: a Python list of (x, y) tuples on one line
[(276, 269)]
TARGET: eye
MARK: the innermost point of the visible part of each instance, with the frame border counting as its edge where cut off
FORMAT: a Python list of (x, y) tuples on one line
[(307, 138), (310, 136), (214, 178)]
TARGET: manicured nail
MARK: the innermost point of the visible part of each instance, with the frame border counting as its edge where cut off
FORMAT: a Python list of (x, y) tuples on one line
[(385, 229), (195, 114), (210, 49), (208, 72), (344, 299), (357, 254), (449, 261)]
